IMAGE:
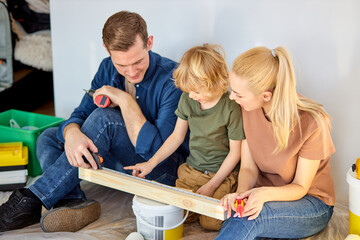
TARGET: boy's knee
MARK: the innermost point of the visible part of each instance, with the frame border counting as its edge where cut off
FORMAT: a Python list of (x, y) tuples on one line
[(192, 217), (209, 223)]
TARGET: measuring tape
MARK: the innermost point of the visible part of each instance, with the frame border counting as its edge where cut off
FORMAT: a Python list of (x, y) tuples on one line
[(156, 191), (165, 186)]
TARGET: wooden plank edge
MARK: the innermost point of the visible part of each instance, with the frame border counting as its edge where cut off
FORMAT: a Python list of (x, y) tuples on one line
[(168, 195)]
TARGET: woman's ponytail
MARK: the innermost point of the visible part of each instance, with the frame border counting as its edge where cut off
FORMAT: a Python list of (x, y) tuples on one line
[(284, 113), (272, 70)]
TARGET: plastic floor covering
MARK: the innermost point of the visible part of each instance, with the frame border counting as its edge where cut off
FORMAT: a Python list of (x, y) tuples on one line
[(117, 220)]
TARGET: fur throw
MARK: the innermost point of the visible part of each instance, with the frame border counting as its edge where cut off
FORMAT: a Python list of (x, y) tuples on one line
[(35, 50)]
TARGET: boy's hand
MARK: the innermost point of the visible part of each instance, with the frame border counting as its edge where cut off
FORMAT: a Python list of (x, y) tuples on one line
[(141, 169), (206, 190)]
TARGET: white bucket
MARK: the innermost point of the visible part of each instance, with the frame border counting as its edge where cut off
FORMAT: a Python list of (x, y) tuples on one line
[(158, 221), (354, 202)]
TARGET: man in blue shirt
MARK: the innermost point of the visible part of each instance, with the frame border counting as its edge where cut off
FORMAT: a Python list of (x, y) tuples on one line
[(140, 118)]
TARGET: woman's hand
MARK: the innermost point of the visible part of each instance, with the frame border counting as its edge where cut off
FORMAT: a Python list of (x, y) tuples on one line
[(228, 201), (141, 169), (254, 202)]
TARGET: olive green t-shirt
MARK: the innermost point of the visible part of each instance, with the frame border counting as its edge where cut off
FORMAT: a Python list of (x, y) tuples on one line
[(210, 130)]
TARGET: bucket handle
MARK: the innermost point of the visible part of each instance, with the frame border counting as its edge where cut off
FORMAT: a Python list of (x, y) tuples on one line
[(156, 227)]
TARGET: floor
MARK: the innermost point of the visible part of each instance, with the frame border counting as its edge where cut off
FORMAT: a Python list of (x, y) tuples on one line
[(47, 108)]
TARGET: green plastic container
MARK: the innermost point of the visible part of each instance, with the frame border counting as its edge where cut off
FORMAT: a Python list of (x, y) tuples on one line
[(28, 137)]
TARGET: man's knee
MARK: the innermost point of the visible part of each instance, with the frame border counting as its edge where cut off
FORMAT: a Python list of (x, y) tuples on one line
[(104, 123), (47, 137), (48, 147), (104, 115)]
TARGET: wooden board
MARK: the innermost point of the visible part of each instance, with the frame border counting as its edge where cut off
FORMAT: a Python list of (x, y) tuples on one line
[(159, 192)]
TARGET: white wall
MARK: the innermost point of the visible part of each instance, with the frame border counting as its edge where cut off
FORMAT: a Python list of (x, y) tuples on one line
[(322, 35)]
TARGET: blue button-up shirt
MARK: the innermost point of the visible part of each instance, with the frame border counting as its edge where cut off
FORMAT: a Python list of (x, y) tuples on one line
[(156, 95)]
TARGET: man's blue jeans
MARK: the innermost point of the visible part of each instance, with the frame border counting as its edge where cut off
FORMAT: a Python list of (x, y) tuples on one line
[(295, 219), (106, 128)]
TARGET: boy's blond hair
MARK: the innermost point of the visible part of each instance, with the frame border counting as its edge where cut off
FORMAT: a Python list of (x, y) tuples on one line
[(203, 68)]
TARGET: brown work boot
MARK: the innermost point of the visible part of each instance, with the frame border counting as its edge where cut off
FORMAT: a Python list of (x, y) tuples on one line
[(71, 217)]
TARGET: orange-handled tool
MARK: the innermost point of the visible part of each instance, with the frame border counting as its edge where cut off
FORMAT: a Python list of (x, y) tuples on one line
[(102, 100), (239, 205), (98, 160)]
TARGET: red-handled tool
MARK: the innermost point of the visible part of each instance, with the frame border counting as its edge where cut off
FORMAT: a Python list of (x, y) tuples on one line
[(239, 205), (102, 100)]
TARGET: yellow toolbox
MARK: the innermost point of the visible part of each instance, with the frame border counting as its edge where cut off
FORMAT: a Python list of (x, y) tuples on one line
[(13, 165)]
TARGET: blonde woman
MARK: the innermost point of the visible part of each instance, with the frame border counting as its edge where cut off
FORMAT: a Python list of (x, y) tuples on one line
[(285, 177), (215, 129)]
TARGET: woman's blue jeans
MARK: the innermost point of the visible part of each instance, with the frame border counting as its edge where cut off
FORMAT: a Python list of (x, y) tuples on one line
[(106, 128), (296, 219)]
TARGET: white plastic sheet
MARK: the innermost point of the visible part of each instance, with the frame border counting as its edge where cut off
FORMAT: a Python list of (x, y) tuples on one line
[(117, 221)]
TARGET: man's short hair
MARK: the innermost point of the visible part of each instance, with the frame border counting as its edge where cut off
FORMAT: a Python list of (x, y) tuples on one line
[(120, 31)]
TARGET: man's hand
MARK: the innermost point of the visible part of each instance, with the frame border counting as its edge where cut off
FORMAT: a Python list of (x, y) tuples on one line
[(78, 145), (133, 117), (141, 169), (114, 94)]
